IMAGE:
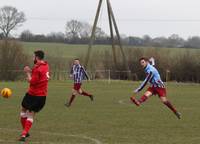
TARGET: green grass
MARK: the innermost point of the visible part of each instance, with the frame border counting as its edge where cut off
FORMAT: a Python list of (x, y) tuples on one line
[(105, 119), (71, 51), (60, 49)]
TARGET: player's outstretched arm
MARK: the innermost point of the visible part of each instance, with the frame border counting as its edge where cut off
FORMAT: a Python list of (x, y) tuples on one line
[(86, 74), (146, 80), (71, 72)]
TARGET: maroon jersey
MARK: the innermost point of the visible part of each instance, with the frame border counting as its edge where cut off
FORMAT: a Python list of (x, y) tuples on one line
[(39, 79)]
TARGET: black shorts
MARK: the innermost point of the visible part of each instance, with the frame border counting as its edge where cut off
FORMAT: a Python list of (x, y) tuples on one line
[(33, 103)]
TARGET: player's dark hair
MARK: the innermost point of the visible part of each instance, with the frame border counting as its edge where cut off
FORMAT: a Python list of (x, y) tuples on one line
[(77, 59), (144, 58), (39, 54)]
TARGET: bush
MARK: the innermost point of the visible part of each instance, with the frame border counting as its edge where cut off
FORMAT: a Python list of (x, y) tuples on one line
[(183, 66), (12, 60)]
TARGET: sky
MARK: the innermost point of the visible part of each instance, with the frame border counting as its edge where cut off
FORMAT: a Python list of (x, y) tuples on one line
[(134, 17)]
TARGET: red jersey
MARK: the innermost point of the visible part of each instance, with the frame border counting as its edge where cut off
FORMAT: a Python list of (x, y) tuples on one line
[(39, 79)]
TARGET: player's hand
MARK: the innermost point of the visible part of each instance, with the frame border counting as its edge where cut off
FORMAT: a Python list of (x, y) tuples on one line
[(70, 75), (136, 91), (27, 69)]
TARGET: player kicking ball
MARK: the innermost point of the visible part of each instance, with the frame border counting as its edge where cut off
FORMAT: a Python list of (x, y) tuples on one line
[(157, 87), (34, 99), (78, 73)]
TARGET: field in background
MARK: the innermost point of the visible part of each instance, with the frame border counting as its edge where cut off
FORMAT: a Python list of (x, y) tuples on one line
[(110, 119), (73, 51), (60, 49)]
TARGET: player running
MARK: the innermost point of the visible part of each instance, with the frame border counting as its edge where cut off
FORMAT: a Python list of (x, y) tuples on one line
[(35, 98), (156, 86), (78, 73)]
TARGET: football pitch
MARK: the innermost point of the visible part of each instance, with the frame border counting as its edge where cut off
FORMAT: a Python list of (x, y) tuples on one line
[(110, 119)]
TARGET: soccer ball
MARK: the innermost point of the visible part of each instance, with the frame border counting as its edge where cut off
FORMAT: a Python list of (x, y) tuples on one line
[(6, 92)]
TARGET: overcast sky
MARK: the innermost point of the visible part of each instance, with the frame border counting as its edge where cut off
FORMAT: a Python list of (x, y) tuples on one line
[(134, 17)]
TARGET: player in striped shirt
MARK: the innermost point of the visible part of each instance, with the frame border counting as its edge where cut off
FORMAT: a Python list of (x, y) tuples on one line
[(156, 86), (78, 73)]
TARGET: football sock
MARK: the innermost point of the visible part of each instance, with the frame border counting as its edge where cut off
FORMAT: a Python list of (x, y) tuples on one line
[(28, 125), (23, 118), (135, 101), (170, 106), (143, 99), (85, 94), (71, 99)]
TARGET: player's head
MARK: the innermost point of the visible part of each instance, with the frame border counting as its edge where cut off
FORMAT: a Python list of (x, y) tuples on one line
[(76, 61), (38, 55), (143, 61)]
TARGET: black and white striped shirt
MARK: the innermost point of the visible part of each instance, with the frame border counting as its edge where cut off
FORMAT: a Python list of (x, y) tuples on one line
[(79, 73)]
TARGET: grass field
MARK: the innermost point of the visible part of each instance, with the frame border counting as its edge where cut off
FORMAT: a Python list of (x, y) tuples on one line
[(71, 51), (110, 119), (60, 49)]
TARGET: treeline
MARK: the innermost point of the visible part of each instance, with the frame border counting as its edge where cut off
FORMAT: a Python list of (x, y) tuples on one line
[(60, 37), (77, 32), (180, 66), (174, 41)]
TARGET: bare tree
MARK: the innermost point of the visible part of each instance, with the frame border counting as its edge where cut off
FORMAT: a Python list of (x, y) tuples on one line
[(26, 35), (99, 33), (73, 29), (86, 30), (10, 19)]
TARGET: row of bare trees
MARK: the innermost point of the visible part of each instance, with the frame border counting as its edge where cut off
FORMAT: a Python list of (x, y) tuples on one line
[(173, 41), (78, 32), (180, 66)]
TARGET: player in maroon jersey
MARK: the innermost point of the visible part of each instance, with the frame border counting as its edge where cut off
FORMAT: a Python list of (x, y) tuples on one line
[(34, 99)]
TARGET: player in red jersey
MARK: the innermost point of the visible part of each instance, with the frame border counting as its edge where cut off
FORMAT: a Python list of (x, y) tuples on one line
[(78, 73), (157, 87), (34, 100)]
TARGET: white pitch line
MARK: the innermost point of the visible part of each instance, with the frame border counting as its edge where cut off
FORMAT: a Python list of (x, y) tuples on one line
[(96, 141), (41, 142), (124, 103), (5, 141)]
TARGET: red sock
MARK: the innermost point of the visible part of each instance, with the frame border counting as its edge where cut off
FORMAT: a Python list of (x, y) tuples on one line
[(143, 99), (85, 94), (71, 99), (27, 127), (23, 118), (170, 106), (23, 121)]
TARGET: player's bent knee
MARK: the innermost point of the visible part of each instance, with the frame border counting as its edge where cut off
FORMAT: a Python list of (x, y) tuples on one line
[(30, 117), (74, 92), (163, 99), (23, 114), (148, 93), (80, 91)]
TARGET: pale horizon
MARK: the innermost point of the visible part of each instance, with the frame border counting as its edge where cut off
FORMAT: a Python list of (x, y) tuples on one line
[(134, 18)]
